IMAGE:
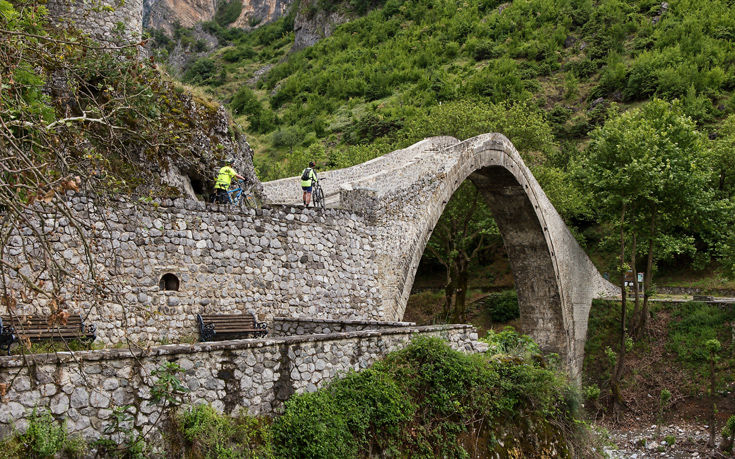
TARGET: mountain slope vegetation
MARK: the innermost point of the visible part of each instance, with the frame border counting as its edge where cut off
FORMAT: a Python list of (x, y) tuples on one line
[(568, 58)]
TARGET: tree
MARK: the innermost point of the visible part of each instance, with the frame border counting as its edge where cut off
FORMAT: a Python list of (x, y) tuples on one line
[(523, 125), (722, 159), (465, 228), (644, 168)]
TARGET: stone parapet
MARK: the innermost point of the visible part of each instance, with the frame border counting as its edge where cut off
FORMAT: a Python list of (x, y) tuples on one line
[(256, 375), (285, 326), (379, 172)]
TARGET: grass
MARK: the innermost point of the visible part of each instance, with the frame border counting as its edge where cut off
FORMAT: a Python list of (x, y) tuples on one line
[(710, 279), (52, 346)]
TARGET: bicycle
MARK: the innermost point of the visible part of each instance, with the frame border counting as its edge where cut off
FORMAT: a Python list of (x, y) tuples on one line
[(318, 195), (237, 196)]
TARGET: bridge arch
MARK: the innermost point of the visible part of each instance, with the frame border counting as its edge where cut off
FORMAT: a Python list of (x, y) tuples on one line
[(405, 192)]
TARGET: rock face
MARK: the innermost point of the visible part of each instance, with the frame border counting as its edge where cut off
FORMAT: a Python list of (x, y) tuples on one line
[(310, 27), (311, 23), (162, 14), (210, 140), (182, 55)]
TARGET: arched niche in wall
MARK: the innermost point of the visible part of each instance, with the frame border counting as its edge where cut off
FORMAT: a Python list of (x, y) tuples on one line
[(169, 282)]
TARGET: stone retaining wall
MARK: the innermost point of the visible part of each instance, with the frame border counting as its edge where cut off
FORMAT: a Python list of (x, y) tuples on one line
[(274, 262), (117, 21), (256, 375)]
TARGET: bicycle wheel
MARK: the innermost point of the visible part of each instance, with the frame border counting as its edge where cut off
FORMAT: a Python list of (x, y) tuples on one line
[(247, 200), (319, 197)]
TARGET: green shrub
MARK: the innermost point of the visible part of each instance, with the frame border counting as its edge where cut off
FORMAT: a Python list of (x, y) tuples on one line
[(582, 68), (421, 400), (502, 307), (510, 341), (341, 420), (370, 127), (210, 434), (200, 46), (228, 12), (245, 102), (45, 437), (613, 78), (695, 324), (238, 54), (500, 82), (203, 71), (728, 434), (592, 392)]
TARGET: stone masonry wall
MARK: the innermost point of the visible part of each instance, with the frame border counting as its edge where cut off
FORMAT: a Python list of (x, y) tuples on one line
[(255, 375), (279, 261), (114, 21)]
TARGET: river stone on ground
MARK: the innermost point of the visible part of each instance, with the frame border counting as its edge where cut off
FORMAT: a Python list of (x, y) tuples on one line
[(690, 441)]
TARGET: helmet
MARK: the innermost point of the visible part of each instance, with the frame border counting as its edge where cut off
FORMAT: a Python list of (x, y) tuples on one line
[(311, 164), (230, 160)]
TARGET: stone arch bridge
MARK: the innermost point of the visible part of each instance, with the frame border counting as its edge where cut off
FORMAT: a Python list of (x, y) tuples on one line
[(331, 284), (404, 193)]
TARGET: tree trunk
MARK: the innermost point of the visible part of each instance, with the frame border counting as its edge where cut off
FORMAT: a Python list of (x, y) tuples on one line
[(616, 375), (713, 419), (449, 289), (460, 292), (636, 296), (647, 279)]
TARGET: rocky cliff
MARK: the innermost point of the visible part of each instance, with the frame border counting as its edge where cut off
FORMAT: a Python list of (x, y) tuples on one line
[(163, 14), (312, 24)]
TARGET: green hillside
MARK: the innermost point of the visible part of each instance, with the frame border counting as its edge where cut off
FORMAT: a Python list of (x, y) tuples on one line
[(366, 83)]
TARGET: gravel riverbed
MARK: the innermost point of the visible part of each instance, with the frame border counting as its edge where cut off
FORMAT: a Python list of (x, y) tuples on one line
[(672, 441)]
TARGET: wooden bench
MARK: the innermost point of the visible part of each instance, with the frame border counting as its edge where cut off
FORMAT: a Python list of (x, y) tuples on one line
[(219, 327), (37, 328)]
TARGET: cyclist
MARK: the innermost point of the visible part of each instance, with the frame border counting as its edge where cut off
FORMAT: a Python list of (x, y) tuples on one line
[(308, 179), (224, 179)]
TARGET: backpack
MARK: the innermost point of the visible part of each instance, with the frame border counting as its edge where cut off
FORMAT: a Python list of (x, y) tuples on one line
[(307, 174)]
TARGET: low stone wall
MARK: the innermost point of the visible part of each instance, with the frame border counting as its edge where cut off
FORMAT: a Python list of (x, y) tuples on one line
[(256, 375), (284, 326), (695, 291)]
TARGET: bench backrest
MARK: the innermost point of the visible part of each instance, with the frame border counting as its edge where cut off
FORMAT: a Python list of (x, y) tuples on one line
[(229, 321), (39, 325)]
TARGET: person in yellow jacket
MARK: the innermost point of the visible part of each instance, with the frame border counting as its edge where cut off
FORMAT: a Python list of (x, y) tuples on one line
[(308, 179), (224, 179)]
